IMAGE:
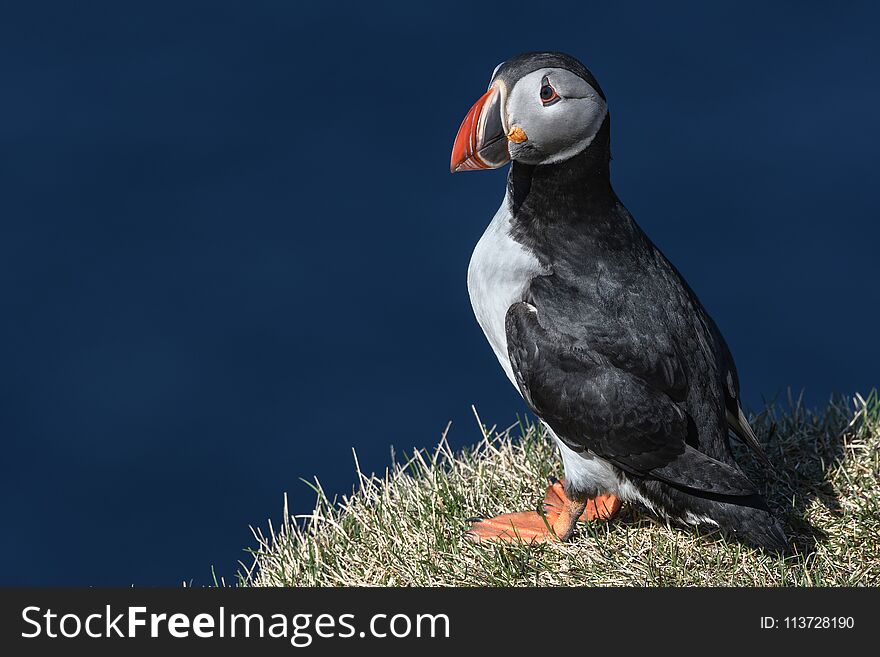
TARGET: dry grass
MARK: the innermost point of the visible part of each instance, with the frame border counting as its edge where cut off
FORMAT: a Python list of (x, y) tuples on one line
[(405, 528)]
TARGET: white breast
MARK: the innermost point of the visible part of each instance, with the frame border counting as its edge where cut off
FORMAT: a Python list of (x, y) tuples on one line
[(498, 276)]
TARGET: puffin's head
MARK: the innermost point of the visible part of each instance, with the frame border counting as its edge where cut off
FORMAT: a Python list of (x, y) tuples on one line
[(540, 108)]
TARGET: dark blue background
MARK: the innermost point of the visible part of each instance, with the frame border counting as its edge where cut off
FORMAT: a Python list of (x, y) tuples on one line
[(231, 249)]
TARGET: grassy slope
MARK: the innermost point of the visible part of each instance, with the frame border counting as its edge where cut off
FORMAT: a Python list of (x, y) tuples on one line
[(405, 528)]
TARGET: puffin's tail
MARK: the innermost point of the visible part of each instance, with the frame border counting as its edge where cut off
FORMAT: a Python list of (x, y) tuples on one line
[(752, 525), (743, 518)]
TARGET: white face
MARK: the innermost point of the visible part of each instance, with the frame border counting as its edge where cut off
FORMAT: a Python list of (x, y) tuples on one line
[(558, 122)]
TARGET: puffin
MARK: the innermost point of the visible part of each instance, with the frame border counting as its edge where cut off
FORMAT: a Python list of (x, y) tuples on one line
[(598, 331)]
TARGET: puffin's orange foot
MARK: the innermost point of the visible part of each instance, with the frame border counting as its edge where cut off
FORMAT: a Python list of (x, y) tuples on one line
[(558, 522), (525, 526), (601, 507)]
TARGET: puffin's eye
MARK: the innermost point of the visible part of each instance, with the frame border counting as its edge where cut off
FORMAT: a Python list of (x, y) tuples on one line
[(548, 93)]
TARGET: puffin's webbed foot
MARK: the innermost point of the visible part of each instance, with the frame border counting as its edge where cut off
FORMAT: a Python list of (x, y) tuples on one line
[(600, 507), (523, 526), (557, 524)]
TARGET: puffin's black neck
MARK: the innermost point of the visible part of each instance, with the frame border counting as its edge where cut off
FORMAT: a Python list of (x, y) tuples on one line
[(584, 178)]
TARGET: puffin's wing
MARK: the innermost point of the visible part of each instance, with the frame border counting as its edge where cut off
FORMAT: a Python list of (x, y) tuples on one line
[(590, 403)]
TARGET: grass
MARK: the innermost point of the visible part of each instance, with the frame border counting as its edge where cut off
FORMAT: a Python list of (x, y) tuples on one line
[(405, 528)]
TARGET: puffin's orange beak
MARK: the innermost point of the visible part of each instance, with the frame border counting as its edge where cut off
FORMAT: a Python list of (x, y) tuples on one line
[(480, 142)]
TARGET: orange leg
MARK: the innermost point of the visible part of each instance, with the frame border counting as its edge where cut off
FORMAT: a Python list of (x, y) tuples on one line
[(557, 523), (601, 507)]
